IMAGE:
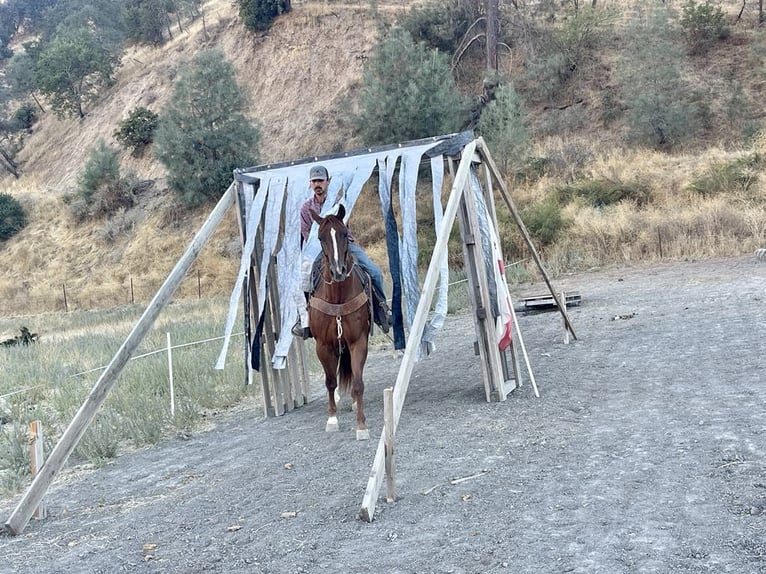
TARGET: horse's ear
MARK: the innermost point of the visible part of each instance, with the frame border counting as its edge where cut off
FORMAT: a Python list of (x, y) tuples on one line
[(315, 216), (341, 211)]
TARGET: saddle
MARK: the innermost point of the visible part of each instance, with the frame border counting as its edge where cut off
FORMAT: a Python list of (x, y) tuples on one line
[(380, 311)]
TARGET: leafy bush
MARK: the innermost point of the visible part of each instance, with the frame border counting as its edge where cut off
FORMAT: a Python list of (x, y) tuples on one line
[(532, 170), (663, 109), (601, 192), (561, 52), (737, 175), (25, 117), (101, 190), (12, 216), (545, 221), (703, 24), (408, 93), (137, 130), (102, 168), (258, 15), (441, 25)]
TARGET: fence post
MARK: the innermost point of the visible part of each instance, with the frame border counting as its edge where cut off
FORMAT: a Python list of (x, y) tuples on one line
[(36, 459), (170, 378), (66, 308), (132, 296)]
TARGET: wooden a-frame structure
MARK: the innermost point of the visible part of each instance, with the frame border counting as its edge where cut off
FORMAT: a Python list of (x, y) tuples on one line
[(287, 389)]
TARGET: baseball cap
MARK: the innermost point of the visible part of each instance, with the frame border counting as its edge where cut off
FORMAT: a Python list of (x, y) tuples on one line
[(318, 172)]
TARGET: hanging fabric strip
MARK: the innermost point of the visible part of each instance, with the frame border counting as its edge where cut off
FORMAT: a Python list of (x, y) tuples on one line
[(253, 210), (386, 167), (408, 178), (289, 266), (270, 234), (440, 308)]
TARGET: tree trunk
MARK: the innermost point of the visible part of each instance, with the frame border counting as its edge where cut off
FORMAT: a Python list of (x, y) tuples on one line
[(493, 23), (10, 166), (39, 105), (760, 12)]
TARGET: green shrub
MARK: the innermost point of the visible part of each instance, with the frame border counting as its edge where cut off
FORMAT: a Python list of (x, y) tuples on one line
[(563, 51), (101, 190), (503, 125), (533, 169), (602, 192), (408, 93), (12, 216), (441, 25), (24, 117), (545, 221), (663, 108), (737, 175), (703, 24), (258, 15), (203, 133), (137, 130), (101, 168)]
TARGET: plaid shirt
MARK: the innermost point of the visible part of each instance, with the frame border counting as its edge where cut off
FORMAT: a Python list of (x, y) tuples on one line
[(306, 220)]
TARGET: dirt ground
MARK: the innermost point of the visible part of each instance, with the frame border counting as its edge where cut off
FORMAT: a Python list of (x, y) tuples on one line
[(645, 453)]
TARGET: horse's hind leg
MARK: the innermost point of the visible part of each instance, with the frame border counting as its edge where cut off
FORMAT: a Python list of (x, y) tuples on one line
[(358, 359)]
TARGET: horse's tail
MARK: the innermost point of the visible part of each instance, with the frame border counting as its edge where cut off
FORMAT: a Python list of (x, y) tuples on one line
[(345, 376)]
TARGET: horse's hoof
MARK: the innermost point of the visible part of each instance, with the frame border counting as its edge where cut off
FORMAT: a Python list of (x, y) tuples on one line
[(332, 425), (363, 434)]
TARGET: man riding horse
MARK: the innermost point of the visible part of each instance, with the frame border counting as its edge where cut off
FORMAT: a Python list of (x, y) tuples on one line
[(320, 182)]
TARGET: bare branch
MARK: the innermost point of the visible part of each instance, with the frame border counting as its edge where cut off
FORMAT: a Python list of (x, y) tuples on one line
[(464, 44)]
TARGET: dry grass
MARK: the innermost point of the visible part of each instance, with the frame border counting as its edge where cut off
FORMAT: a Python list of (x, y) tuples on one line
[(301, 83)]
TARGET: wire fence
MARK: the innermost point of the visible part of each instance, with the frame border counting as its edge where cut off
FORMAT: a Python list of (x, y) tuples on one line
[(167, 349), (66, 297)]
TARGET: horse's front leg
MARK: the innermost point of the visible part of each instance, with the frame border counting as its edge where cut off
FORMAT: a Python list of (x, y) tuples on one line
[(329, 359), (358, 358)]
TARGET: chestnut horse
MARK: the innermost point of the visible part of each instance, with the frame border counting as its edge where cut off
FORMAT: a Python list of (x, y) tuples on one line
[(340, 320)]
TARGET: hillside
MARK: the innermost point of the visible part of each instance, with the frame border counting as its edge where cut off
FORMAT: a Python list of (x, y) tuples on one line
[(301, 77), (294, 74)]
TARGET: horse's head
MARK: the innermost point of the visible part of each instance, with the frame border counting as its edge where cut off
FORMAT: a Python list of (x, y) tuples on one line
[(333, 237)]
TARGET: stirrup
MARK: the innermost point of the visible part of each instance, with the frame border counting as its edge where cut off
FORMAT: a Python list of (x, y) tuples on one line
[(385, 318)]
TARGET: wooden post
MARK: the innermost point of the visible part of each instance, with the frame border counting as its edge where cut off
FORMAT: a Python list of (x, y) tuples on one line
[(524, 351), (72, 435), (66, 306), (375, 480), (478, 287), (170, 378), (523, 229), (563, 298), (37, 459), (388, 421)]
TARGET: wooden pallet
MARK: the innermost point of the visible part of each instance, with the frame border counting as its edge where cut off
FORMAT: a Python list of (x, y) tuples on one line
[(547, 302)]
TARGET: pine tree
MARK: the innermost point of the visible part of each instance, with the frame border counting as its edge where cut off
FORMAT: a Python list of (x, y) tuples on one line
[(203, 134), (408, 93)]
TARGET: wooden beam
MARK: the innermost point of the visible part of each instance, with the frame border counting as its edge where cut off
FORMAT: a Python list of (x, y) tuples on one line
[(72, 435), (416, 330), (37, 459), (523, 228)]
